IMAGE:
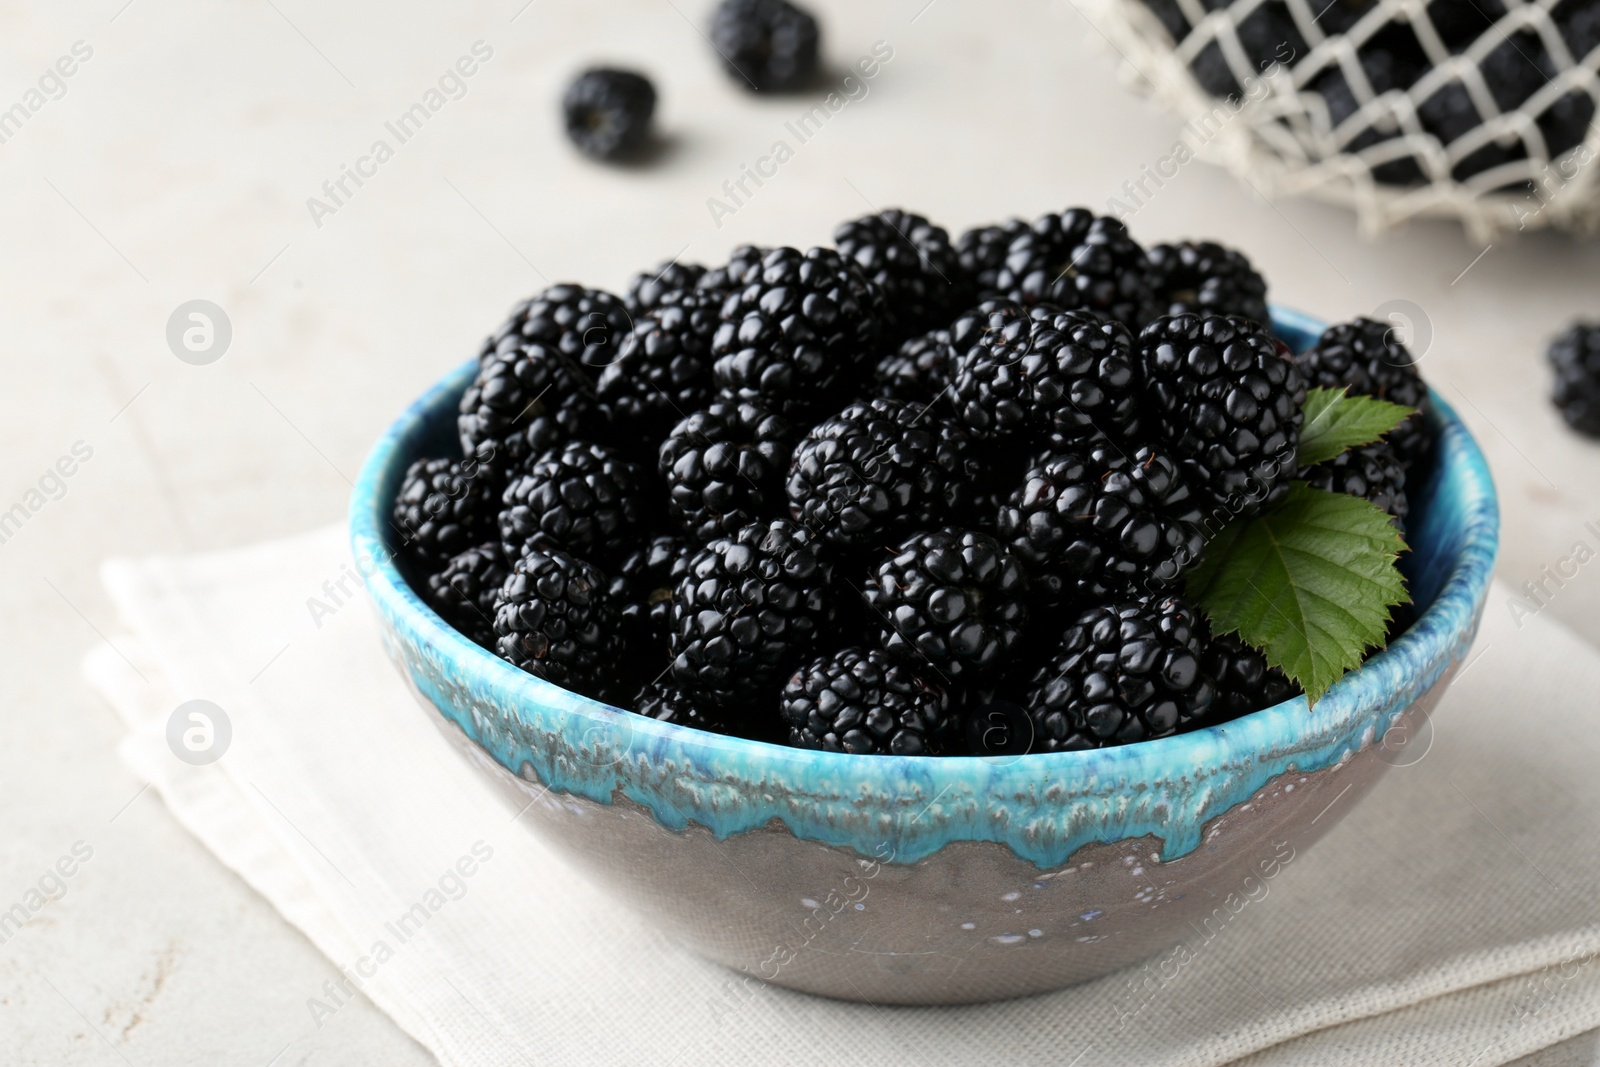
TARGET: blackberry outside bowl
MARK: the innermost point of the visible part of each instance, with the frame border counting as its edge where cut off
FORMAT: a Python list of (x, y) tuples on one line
[(918, 880)]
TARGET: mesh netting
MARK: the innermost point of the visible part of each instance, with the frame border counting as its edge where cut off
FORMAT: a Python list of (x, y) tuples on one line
[(1481, 110)]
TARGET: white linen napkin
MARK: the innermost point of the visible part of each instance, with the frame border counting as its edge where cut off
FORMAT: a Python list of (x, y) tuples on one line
[(1449, 919)]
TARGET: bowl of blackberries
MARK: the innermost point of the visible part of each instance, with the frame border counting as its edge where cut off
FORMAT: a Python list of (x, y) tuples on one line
[(930, 620)]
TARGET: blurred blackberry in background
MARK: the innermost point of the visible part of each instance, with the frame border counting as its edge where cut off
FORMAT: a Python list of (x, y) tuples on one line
[(918, 371), (553, 619), (912, 262), (582, 497), (649, 289), (607, 112), (1207, 278), (1373, 472), (1243, 680), (1369, 359), (439, 511), (865, 702), (464, 593), (663, 369), (585, 325), (766, 45), (724, 468), (1077, 259), (1267, 35), (1575, 358)]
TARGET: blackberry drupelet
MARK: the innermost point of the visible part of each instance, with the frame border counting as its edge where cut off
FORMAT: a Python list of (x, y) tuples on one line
[(1099, 522), (724, 468), (1063, 375), (670, 703), (1244, 681), (1228, 397), (865, 702), (464, 593), (607, 112), (650, 289), (768, 46), (1077, 259), (1575, 358), (583, 498), (523, 401), (553, 619), (1207, 278), (1125, 671), (641, 588), (912, 261), (1372, 471), (1369, 359), (878, 467), (799, 323), (585, 325), (663, 369), (952, 600), (440, 510), (918, 371), (981, 253), (749, 609)]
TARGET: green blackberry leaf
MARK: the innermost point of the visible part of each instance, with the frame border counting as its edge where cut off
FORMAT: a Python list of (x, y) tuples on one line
[(1309, 582), (1336, 422)]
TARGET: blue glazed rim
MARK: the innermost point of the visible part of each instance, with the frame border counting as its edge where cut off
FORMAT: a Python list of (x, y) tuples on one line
[(1043, 806)]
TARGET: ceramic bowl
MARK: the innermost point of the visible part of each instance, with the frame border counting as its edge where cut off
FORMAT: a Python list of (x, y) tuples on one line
[(914, 880)]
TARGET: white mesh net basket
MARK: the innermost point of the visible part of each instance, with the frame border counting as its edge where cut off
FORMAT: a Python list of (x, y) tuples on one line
[(1479, 110)]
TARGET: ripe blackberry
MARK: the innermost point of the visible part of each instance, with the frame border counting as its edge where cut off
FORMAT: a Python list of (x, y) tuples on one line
[(1575, 358), (1125, 671), (670, 703), (724, 467), (749, 608), (1099, 522), (918, 371), (583, 498), (880, 466), (607, 112), (525, 400), (912, 261), (440, 510), (1373, 472), (865, 702), (1369, 359), (553, 619), (585, 325), (649, 289), (955, 600), (1244, 681), (464, 593), (1206, 278), (1228, 397), (743, 262), (800, 321), (641, 588), (1077, 259), (663, 369), (981, 253), (1065, 375), (768, 46)]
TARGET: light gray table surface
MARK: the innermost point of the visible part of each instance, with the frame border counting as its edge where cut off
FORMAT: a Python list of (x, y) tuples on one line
[(177, 165)]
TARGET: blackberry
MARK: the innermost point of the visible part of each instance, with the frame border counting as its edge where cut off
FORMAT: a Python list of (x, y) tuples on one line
[(1207, 278), (585, 325), (770, 46), (864, 702), (1579, 23), (743, 262), (523, 401), (724, 467), (1099, 522), (1229, 398), (918, 371), (1244, 681), (912, 261), (1372, 471), (582, 497), (464, 593), (880, 466), (607, 112), (441, 511), (1077, 259), (981, 253), (955, 600), (1065, 375), (799, 322), (748, 609), (1575, 358), (553, 619), (1267, 35), (648, 290), (663, 368), (976, 323), (1369, 359), (1125, 671), (641, 588), (670, 703)]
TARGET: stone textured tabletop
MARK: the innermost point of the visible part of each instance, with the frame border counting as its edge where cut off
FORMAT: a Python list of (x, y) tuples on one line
[(177, 162)]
